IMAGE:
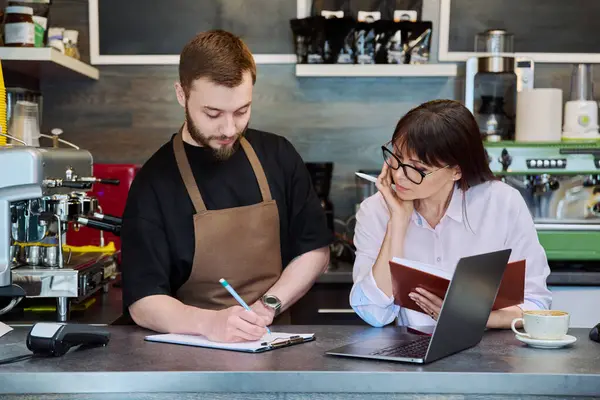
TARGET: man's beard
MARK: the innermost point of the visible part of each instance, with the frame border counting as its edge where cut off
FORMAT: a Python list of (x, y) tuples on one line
[(222, 153)]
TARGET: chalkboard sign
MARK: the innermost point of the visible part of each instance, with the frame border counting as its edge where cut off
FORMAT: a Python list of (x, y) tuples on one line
[(162, 27), (548, 28)]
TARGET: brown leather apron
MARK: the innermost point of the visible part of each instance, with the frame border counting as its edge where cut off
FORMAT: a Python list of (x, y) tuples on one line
[(239, 244)]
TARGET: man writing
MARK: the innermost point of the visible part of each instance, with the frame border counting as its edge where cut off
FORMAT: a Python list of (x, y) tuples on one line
[(220, 200)]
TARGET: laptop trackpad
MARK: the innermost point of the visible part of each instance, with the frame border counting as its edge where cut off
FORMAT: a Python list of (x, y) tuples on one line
[(372, 346)]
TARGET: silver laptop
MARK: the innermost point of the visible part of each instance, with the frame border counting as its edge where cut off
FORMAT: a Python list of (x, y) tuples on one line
[(461, 323)]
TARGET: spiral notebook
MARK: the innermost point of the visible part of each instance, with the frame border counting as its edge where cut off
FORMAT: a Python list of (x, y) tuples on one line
[(272, 341)]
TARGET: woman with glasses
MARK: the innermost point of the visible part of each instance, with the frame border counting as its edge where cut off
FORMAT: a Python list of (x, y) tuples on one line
[(438, 201)]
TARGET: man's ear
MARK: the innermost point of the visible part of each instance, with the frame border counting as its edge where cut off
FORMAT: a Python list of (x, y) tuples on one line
[(180, 94)]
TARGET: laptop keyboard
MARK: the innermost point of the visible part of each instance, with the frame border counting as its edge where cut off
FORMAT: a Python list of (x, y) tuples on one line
[(414, 349)]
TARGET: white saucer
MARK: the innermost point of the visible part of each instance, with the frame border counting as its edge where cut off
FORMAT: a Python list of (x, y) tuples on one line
[(547, 343)]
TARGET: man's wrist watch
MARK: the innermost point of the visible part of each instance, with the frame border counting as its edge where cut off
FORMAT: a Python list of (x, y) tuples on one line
[(272, 302)]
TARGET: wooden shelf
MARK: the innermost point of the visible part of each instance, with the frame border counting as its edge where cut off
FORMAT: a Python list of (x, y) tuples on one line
[(376, 70), (45, 63)]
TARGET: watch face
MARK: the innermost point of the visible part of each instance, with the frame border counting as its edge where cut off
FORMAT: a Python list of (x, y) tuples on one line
[(271, 301)]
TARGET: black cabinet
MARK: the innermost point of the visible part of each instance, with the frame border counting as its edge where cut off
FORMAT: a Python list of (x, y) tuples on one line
[(326, 304)]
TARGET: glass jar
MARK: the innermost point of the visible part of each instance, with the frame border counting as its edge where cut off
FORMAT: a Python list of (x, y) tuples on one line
[(19, 28), (70, 40)]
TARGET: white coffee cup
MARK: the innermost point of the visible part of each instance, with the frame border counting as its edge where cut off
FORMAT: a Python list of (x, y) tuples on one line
[(543, 324)]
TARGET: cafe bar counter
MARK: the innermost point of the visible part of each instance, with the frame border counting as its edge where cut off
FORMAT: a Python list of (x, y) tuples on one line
[(131, 368)]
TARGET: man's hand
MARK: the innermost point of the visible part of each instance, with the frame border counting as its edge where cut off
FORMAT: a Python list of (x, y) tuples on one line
[(265, 312), (235, 324)]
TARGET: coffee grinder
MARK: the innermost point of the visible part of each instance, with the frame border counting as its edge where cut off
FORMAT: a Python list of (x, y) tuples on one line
[(321, 174), (493, 79)]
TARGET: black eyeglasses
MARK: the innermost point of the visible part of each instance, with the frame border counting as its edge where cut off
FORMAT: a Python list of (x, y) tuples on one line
[(413, 174)]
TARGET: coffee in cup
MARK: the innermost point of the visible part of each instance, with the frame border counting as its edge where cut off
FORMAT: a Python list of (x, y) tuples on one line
[(543, 324)]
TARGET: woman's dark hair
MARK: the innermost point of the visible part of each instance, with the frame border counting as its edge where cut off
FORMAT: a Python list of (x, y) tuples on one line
[(444, 132)]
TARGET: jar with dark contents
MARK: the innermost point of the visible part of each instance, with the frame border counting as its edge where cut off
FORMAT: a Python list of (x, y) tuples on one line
[(19, 28)]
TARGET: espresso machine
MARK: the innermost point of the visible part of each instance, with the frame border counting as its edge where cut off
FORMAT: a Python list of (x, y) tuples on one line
[(560, 183), (44, 192), (492, 81)]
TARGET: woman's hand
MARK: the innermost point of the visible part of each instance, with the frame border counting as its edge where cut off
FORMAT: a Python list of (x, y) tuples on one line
[(400, 210), (498, 319), (429, 302), (502, 318)]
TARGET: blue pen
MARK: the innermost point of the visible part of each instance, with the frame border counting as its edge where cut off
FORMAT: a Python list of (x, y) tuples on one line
[(236, 296)]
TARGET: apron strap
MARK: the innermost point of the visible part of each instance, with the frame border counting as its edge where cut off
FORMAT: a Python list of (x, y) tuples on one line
[(186, 173), (258, 169)]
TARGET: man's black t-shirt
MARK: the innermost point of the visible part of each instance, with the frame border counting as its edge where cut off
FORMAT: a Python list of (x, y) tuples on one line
[(158, 230)]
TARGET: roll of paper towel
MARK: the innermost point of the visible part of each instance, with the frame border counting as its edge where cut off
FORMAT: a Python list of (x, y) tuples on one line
[(539, 115)]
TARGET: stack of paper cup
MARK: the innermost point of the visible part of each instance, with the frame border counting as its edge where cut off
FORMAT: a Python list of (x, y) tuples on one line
[(539, 115)]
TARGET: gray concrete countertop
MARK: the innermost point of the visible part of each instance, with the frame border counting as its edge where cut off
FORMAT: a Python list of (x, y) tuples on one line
[(499, 366)]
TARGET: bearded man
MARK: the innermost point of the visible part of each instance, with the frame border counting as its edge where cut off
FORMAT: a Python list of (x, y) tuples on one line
[(220, 200)]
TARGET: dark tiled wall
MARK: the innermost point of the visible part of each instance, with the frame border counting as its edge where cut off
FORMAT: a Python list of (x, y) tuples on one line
[(126, 115)]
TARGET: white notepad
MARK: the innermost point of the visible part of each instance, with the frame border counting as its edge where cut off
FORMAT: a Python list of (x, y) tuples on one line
[(268, 342), (4, 329)]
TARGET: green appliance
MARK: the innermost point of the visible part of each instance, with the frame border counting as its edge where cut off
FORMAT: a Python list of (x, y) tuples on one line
[(560, 183)]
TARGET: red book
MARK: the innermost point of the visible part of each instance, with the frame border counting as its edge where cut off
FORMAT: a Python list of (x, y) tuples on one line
[(408, 275)]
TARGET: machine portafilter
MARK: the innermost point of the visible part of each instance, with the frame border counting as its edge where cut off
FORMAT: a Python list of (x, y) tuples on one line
[(108, 218), (107, 223), (81, 183)]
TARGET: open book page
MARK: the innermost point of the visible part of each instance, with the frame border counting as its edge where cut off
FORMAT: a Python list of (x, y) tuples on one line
[(428, 268), (201, 341)]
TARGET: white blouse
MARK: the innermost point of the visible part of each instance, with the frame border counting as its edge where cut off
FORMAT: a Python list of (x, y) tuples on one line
[(495, 217)]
